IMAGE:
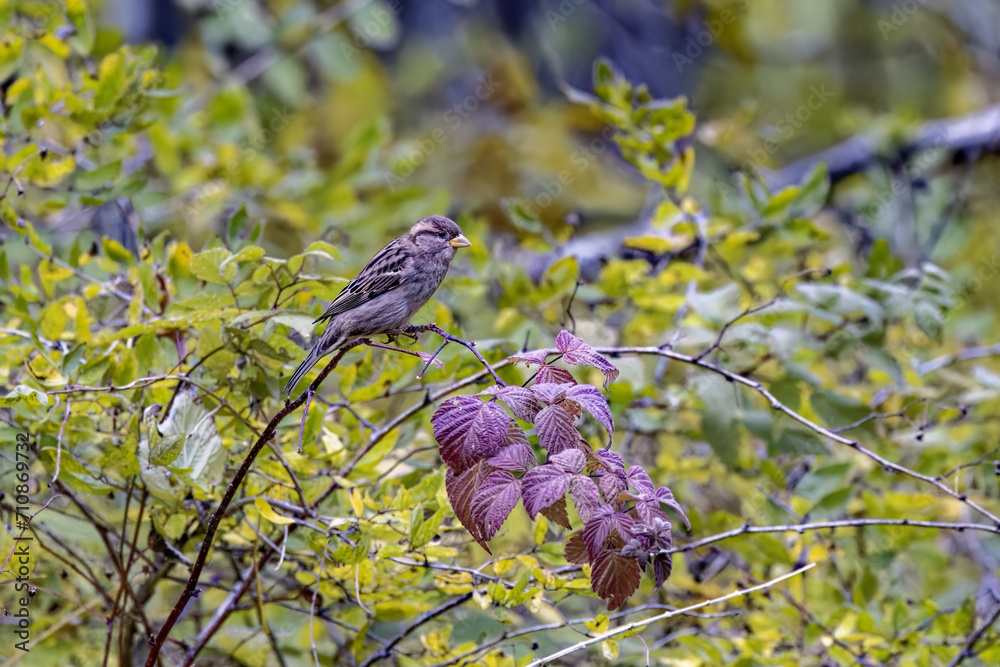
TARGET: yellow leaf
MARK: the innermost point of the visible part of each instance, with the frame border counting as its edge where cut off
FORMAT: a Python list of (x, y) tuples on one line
[(357, 503), (24, 393), (268, 512)]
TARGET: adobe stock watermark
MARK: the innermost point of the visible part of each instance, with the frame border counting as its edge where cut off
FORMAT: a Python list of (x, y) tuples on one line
[(423, 148), (707, 36), (901, 13), (370, 31), (249, 147), (562, 12), (18, 562), (788, 126), (913, 169), (581, 159)]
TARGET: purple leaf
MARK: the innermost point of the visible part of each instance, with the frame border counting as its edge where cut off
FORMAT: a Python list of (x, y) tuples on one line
[(666, 496), (592, 400), (663, 565), (610, 470), (555, 429), (650, 511), (638, 479), (570, 460), (495, 499), (426, 358), (521, 401), (608, 460), (607, 529), (532, 357), (516, 457), (556, 512), (612, 486), (462, 491), (469, 430), (576, 550), (614, 577), (651, 545), (585, 495), (551, 393), (575, 351), (554, 374), (515, 435), (542, 487)]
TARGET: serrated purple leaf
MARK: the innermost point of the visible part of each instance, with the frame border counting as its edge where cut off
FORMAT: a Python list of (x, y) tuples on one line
[(531, 357), (608, 460), (555, 430), (614, 577), (612, 486), (638, 479), (575, 351), (469, 430), (592, 400), (521, 401), (542, 487), (549, 374), (462, 490), (575, 550), (517, 457), (557, 513), (570, 460), (585, 496), (607, 529), (663, 565), (666, 496), (515, 435), (549, 393), (649, 511), (495, 499)]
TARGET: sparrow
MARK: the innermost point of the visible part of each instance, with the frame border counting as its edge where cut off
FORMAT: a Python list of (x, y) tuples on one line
[(392, 287)]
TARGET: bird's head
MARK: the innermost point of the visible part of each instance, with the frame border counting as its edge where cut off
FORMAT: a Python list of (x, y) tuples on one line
[(437, 233)]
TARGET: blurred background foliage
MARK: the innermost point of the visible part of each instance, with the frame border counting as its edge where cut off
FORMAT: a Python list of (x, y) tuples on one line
[(185, 182)]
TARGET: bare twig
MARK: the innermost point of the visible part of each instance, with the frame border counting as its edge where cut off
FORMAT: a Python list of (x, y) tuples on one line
[(62, 432), (968, 650), (661, 617)]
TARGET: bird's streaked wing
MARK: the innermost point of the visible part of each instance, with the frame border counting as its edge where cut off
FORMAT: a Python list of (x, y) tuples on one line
[(386, 271)]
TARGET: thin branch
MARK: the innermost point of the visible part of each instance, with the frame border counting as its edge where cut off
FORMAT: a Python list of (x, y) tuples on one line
[(781, 407), (662, 617), (385, 651), (821, 525), (62, 432), (968, 651), (964, 355), (213, 524)]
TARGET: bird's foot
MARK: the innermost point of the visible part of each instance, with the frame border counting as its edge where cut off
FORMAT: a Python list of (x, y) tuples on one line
[(410, 331)]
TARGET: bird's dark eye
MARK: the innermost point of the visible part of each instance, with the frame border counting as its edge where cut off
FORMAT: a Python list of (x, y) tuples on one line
[(442, 235)]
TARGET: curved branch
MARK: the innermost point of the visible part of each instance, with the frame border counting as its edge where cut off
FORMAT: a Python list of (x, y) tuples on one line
[(649, 621), (190, 590)]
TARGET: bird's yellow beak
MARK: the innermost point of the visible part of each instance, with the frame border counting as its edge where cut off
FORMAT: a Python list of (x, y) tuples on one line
[(460, 242)]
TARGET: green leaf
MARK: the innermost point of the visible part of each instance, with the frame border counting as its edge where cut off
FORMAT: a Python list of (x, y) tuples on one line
[(797, 441), (83, 28), (98, 178), (116, 251), (426, 530), (212, 266), (110, 80), (203, 455), (24, 394), (236, 224), (167, 449)]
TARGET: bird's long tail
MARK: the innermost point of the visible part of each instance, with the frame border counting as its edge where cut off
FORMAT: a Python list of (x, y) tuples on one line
[(318, 352)]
